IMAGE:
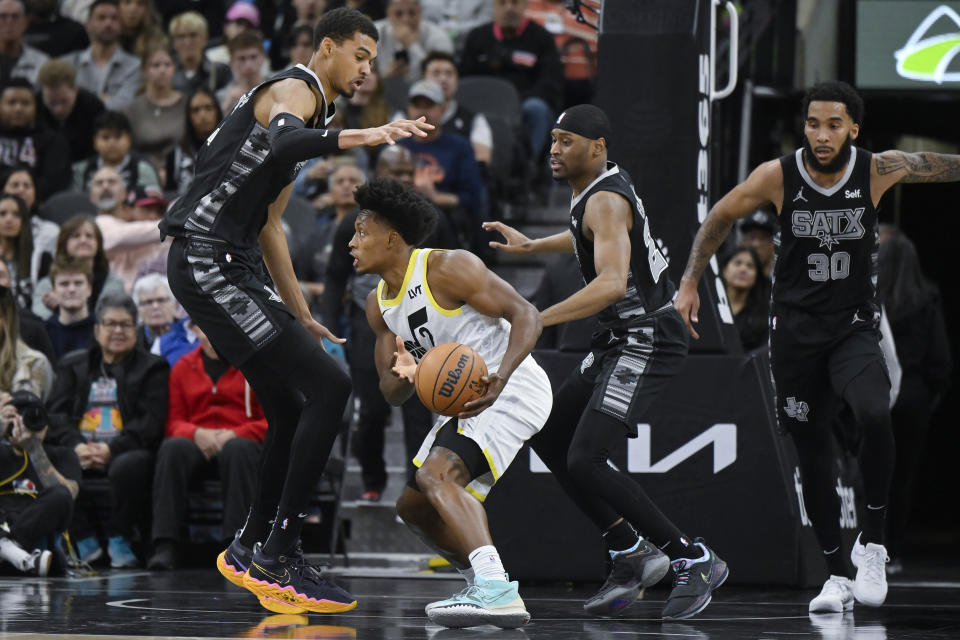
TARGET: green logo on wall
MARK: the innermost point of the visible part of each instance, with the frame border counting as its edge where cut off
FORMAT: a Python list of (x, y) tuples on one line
[(927, 59)]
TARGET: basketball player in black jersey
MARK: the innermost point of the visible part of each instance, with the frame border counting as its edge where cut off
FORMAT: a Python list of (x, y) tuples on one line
[(824, 338), (228, 236), (640, 348)]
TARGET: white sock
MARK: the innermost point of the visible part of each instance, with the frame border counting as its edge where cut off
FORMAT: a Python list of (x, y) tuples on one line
[(486, 562), (15, 554), (467, 575)]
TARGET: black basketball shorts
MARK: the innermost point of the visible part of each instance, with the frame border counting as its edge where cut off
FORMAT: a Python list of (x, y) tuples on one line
[(813, 358), (228, 294)]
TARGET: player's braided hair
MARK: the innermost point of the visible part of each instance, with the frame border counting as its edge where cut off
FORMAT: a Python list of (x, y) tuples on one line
[(413, 216)]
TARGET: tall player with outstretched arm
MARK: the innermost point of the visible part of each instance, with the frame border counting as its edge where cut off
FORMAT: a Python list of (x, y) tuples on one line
[(824, 336), (228, 234)]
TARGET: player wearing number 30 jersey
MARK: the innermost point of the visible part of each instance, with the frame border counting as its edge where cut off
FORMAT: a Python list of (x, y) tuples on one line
[(824, 337)]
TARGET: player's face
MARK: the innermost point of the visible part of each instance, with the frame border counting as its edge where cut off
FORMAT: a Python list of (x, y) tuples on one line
[(569, 154), (351, 62), (368, 246), (828, 132)]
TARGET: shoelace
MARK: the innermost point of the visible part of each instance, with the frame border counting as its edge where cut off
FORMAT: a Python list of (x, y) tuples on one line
[(875, 561), (834, 588), (682, 569)]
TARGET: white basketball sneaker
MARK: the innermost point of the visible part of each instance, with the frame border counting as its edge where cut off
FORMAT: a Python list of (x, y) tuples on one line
[(870, 586), (835, 597)]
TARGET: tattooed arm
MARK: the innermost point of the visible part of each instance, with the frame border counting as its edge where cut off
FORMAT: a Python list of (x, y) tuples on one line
[(32, 442), (764, 185), (891, 167)]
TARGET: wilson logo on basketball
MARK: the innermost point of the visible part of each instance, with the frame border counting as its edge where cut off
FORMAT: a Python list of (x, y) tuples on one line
[(453, 377)]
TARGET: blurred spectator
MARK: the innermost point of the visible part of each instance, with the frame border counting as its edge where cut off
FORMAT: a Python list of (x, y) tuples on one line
[(109, 403), (313, 252), (246, 62), (441, 68), (33, 332), (343, 306), (72, 327), (447, 173), (190, 33), (23, 142), (20, 182), (757, 231), (160, 333), (42, 481), (67, 108), (373, 9), (26, 265), (139, 26), (366, 108), (300, 45), (515, 48), (76, 9), (748, 292), (577, 44), (215, 427), (156, 115), (308, 11), (561, 279), (104, 67), (241, 17), (79, 239), (21, 368), (51, 32), (203, 116), (405, 40), (112, 138), (915, 312), (19, 60), (127, 242), (457, 17)]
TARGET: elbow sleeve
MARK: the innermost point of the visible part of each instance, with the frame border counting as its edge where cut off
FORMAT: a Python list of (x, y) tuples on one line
[(291, 141)]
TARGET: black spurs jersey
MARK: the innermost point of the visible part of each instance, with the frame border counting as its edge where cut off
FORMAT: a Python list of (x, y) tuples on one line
[(648, 287), (827, 253), (236, 177)]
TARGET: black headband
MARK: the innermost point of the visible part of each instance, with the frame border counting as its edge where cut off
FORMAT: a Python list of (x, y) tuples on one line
[(585, 120)]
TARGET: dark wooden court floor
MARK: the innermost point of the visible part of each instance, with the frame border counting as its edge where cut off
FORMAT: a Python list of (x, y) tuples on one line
[(200, 604)]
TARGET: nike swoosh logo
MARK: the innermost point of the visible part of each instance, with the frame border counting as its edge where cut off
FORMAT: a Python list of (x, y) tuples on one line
[(705, 578), (283, 578)]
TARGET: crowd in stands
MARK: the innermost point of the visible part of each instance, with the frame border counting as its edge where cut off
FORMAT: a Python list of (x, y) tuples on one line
[(104, 106)]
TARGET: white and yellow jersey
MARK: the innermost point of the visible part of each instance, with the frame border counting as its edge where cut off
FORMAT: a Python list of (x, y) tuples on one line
[(525, 402), (415, 316)]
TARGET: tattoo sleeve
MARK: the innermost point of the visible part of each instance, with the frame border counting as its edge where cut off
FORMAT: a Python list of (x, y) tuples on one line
[(920, 167), (709, 238), (49, 476)]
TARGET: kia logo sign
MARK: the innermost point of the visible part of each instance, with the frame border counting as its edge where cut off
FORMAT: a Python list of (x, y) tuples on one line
[(722, 436)]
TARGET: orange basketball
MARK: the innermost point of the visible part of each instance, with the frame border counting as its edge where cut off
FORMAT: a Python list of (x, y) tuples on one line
[(448, 377)]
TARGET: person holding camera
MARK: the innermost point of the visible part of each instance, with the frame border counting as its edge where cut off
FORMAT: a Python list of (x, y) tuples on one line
[(109, 405), (39, 484)]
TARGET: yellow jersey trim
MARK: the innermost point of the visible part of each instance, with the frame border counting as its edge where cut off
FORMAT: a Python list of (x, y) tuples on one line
[(493, 467), (426, 288), (476, 494), (403, 288)]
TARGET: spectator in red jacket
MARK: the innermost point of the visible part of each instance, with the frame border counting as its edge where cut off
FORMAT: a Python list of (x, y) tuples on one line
[(215, 427)]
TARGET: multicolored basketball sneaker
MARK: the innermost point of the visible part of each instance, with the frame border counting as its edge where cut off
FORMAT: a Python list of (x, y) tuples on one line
[(288, 579), (233, 563), (494, 602)]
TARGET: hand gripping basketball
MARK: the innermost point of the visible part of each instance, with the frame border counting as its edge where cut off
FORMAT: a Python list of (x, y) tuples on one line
[(449, 376)]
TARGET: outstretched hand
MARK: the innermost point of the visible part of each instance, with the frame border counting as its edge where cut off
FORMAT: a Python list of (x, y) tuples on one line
[(688, 304), (393, 131), (403, 365), (516, 242), (318, 331)]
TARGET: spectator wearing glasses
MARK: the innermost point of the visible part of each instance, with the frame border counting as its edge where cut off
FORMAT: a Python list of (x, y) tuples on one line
[(160, 332), (109, 404), (20, 60)]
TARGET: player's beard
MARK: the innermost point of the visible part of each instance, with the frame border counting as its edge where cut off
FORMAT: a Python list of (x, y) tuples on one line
[(834, 166)]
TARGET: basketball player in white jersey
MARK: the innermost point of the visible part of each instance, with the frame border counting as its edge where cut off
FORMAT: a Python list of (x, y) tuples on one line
[(427, 297), (824, 337)]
